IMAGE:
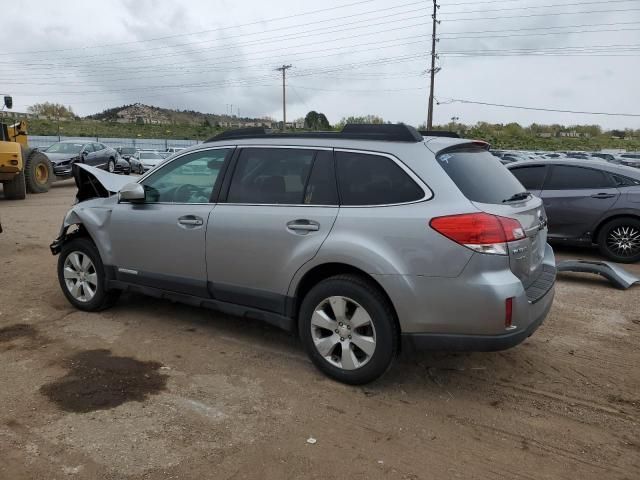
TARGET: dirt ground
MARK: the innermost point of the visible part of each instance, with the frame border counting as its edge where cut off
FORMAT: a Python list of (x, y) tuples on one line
[(151, 389)]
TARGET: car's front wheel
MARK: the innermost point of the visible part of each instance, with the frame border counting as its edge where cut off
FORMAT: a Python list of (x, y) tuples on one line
[(82, 277), (619, 240), (348, 329), (111, 166)]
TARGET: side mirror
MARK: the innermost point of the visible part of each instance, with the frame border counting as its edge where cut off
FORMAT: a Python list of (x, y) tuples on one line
[(85, 153), (131, 192), (8, 102)]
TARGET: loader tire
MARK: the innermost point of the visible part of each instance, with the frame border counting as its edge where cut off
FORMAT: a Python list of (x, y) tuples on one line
[(15, 189), (38, 172)]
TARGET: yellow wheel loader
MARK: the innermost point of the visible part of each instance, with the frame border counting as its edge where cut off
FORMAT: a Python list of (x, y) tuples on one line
[(22, 169)]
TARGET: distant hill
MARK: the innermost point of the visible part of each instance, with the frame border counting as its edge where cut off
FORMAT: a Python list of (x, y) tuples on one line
[(148, 114)]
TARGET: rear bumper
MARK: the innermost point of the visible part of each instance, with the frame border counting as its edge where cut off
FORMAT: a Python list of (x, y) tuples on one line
[(477, 343), (468, 312)]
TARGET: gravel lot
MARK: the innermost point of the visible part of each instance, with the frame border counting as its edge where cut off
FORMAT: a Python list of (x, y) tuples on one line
[(151, 389)]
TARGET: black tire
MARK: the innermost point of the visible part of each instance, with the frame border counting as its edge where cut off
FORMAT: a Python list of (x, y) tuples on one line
[(38, 171), (15, 189), (615, 227), (111, 166), (102, 298), (367, 295)]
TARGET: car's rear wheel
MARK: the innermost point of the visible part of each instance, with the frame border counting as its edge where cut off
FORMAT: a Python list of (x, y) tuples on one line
[(348, 329), (82, 277), (619, 240)]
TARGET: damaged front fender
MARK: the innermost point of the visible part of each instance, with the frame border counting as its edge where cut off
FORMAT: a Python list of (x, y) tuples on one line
[(91, 214), (90, 218)]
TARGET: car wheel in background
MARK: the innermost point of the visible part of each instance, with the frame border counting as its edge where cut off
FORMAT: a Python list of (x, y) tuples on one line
[(82, 277), (348, 329), (111, 166), (619, 240)]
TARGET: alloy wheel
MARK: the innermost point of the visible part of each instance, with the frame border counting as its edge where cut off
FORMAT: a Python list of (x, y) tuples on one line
[(80, 276), (111, 167), (343, 333), (624, 241)]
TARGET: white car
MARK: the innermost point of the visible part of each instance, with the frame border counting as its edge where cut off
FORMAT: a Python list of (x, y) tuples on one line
[(149, 159)]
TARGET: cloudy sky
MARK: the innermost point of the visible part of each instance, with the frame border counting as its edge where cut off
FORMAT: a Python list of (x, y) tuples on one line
[(348, 57)]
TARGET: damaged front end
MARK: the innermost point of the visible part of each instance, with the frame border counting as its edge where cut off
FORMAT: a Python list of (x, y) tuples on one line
[(95, 199)]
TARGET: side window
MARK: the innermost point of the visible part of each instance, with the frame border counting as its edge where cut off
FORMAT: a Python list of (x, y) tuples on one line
[(188, 179), (532, 178), (88, 148), (270, 176), (98, 146), (322, 188), (564, 177), (367, 179)]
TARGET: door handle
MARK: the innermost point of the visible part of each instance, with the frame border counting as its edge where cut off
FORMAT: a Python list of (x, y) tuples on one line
[(603, 195), (191, 221), (303, 226)]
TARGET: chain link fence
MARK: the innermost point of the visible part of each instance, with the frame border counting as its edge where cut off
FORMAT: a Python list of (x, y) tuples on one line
[(143, 143)]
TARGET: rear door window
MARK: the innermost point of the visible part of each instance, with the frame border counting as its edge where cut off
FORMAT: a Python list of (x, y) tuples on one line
[(479, 175), (532, 178), (566, 177), (369, 179), (271, 176)]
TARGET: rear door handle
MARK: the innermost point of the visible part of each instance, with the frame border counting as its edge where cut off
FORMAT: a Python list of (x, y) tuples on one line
[(190, 221), (303, 226), (603, 195)]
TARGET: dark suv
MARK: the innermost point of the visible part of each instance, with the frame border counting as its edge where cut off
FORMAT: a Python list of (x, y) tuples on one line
[(588, 201)]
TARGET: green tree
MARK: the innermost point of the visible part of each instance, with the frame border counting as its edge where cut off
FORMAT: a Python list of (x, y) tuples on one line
[(316, 121), (52, 110)]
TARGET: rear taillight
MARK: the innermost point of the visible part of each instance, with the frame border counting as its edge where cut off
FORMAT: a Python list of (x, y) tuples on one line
[(481, 232)]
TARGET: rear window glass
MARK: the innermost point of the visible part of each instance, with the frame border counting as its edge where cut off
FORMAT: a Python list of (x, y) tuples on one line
[(479, 175), (366, 179), (531, 177), (565, 177)]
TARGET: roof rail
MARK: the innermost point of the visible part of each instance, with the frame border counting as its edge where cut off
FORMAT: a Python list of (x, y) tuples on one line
[(439, 133), (352, 131)]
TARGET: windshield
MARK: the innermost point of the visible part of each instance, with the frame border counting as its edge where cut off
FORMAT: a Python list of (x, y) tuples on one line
[(63, 147), (479, 175), (150, 156)]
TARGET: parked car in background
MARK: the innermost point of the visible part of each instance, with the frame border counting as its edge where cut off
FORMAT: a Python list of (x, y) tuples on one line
[(126, 152), (148, 159), (609, 157), (360, 241), (588, 202), (630, 159), (174, 149), (63, 154)]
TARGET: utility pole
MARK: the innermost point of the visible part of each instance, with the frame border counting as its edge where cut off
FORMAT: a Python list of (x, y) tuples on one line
[(284, 69), (433, 64)]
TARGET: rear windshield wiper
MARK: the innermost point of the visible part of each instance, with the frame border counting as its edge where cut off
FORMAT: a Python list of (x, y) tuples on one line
[(517, 196)]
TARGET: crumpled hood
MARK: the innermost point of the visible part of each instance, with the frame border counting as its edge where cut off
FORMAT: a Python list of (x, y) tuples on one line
[(93, 182)]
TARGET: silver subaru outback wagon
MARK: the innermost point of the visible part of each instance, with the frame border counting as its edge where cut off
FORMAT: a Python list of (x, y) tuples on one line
[(364, 242)]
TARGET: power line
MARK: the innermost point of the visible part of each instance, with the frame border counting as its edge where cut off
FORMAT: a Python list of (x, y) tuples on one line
[(582, 25), (519, 107), (260, 41), (540, 6), (543, 34), (544, 14), (263, 41), (312, 12)]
